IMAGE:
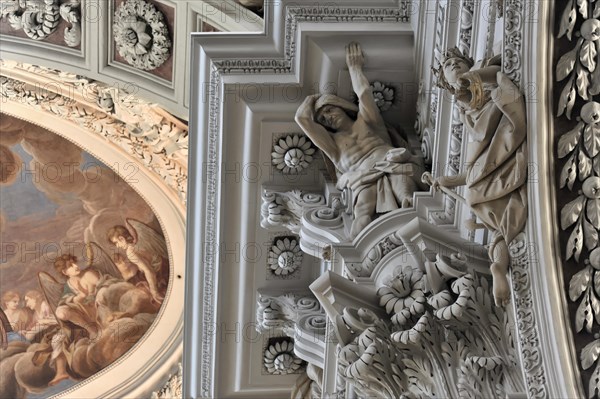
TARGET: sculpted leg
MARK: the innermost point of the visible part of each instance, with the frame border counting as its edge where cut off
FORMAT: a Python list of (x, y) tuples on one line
[(500, 261), (404, 187), (364, 210)]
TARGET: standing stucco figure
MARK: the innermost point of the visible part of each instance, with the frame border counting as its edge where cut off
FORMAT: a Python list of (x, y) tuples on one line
[(492, 109)]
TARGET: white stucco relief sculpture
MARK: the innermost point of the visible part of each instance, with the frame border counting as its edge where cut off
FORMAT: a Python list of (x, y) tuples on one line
[(40, 19), (292, 154), (141, 35), (300, 317), (442, 336), (382, 178), (578, 70), (493, 112)]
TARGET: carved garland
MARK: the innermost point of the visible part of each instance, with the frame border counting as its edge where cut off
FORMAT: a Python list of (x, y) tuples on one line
[(580, 146), (159, 141), (40, 20), (141, 35)]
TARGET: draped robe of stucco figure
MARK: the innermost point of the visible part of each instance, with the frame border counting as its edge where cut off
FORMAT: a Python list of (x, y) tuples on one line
[(496, 161)]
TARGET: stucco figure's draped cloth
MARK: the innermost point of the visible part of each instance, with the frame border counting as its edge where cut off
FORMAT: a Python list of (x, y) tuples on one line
[(497, 163), (382, 173)]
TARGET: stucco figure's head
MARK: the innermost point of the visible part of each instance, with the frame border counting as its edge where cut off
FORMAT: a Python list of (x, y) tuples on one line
[(453, 64), (333, 111)]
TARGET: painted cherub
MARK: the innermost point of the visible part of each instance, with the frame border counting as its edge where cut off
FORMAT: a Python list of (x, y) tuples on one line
[(148, 253), (493, 112)]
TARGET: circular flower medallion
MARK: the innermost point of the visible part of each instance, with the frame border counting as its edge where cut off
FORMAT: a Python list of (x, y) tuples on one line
[(384, 95), (280, 359), (285, 256), (141, 35), (292, 154)]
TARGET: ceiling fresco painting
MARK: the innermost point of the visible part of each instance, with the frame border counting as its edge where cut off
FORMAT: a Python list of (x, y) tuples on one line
[(84, 265)]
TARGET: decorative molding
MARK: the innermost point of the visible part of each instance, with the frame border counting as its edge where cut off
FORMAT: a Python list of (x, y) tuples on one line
[(41, 19), (173, 387), (146, 132), (580, 173), (514, 22), (292, 154), (132, 21)]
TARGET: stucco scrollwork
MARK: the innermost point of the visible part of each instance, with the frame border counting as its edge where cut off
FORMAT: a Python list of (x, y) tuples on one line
[(40, 19), (172, 389), (285, 209), (141, 34)]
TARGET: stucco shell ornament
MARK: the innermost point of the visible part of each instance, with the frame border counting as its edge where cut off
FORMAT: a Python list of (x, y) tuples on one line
[(141, 35)]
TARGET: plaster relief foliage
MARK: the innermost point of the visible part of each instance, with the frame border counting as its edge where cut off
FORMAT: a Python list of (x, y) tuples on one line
[(173, 387), (279, 314), (580, 146), (141, 35), (146, 132), (40, 19), (441, 339), (292, 154)]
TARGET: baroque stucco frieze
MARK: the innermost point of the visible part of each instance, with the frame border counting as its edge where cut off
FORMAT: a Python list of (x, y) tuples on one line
[(152, 136)]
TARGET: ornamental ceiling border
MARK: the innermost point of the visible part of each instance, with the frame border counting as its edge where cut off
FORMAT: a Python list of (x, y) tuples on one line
[(576, 150), (155, 138)]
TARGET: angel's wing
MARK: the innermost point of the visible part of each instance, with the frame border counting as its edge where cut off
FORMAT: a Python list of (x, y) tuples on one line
[(52, 289), (100, 260), (149, 241)]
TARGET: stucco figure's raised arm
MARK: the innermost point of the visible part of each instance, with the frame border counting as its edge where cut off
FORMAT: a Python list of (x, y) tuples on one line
[(368, 110), (305, 118)]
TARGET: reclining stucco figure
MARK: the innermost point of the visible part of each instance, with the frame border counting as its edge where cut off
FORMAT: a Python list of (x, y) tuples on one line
[(492, 109), (382, 178)]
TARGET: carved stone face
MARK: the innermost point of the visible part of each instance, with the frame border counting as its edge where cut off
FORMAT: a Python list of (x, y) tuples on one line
[(332, 117), (454, 68)]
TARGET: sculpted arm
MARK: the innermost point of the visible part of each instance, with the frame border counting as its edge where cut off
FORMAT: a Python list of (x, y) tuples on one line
[(315, 132), (360, 84)]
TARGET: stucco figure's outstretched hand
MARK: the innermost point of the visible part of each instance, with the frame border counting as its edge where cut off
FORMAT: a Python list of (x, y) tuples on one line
[(354, 55)]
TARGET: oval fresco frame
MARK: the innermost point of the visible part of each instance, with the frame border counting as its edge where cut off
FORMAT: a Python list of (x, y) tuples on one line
[(135, 374)]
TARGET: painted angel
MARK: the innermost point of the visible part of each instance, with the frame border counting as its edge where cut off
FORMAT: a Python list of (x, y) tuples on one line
[(147, 250), (492, 109), (73, 303)]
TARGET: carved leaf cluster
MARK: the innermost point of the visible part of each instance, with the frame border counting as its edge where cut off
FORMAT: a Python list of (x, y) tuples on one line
[(580, 146)]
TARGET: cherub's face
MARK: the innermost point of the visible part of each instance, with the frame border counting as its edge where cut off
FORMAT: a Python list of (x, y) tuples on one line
[(72, 270), (30, 302), (120, 242), (332, 117), (13, 304), (454, 68)]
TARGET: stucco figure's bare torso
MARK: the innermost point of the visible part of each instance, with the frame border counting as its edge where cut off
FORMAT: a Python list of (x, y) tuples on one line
[(360, 148)]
